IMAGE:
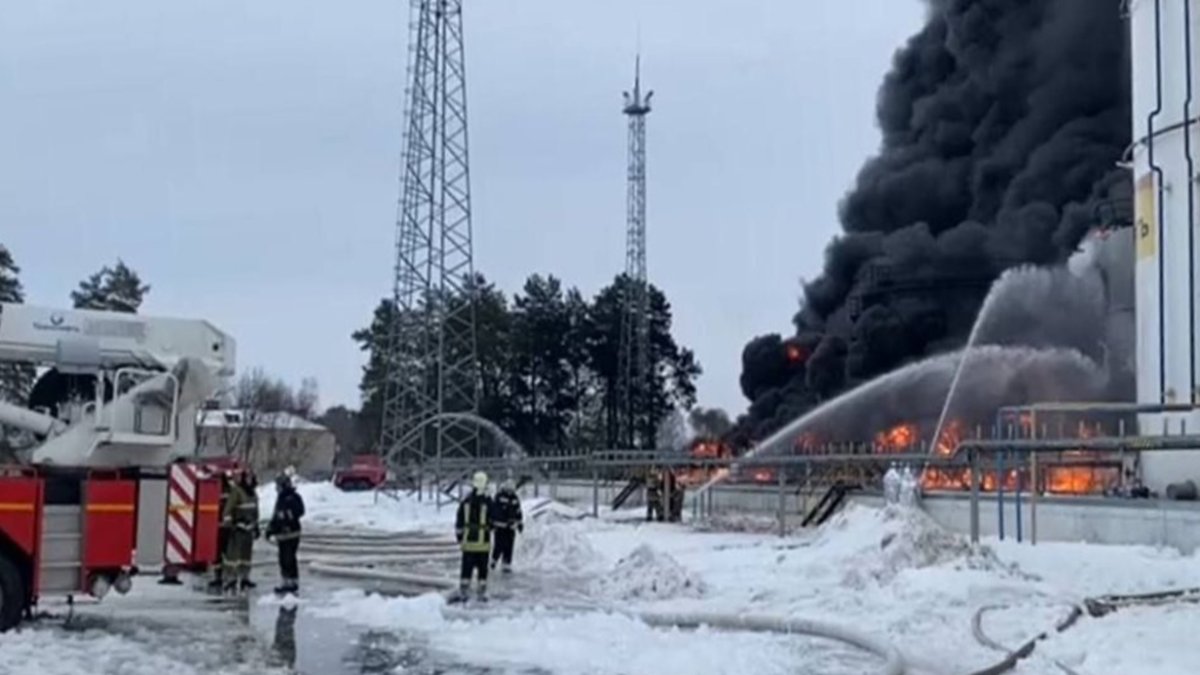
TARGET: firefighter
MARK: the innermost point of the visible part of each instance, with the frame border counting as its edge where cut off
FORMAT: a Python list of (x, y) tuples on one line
[(222, 530), (654, 496), (473, 530), (241, 517), (676, 505), (674, 509), (284, 529), (508, 522)]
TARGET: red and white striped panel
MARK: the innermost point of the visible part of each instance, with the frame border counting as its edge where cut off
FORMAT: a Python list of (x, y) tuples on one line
[(181, 513)]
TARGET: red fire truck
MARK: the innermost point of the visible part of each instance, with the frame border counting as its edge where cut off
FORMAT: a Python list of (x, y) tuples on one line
[(111, 486)]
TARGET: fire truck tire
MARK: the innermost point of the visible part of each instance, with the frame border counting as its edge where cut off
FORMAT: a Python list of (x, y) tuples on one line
[(13, 597)]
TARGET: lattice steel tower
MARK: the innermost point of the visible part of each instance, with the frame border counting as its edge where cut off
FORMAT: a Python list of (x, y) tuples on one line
[(432, 366), (634, 357)]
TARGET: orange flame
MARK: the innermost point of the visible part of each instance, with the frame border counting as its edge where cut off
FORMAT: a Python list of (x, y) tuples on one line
[(795, 354), (762, 476), (949, 438), (896, 439)]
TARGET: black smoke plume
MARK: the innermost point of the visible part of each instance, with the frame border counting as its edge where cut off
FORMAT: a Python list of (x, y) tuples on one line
[(1002, 122)]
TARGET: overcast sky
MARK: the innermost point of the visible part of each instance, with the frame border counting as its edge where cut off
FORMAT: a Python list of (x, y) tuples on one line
[(243, 156)]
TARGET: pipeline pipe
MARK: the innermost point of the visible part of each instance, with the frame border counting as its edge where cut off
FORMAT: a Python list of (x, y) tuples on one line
[(1000, 492), (1017, 501), (1158, 188), (1191, 176)]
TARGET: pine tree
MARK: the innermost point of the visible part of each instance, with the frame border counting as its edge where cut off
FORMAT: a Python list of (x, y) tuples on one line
[(15, 378), (673, 369), (114, 289)]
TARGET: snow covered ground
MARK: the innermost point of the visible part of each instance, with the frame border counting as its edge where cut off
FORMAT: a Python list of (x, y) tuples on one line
[(569, 608), (893, 573)]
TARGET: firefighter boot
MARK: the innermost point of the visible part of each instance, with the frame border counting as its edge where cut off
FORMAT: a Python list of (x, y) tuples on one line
[(481, 592)]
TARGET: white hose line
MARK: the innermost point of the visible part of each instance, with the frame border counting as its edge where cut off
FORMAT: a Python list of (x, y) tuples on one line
[(352, 533), (381, 539), (419, 580), (376, 550), (983, 639), (389, 543), (364, 560), (893, 660)]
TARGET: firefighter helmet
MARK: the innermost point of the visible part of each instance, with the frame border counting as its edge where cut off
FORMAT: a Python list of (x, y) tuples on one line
[(479, 481)]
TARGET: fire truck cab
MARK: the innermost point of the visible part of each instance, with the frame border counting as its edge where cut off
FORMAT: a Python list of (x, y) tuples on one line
[(110, 485)]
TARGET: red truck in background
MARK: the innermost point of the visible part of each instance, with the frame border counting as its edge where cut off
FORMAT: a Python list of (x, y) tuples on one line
[(366, 472)]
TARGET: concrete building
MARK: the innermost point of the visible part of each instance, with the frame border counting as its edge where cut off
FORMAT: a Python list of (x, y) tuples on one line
[(269, 441)]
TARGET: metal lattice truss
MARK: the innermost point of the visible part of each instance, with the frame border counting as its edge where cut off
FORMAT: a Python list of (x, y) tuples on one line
[(633, 362), (432, 365)]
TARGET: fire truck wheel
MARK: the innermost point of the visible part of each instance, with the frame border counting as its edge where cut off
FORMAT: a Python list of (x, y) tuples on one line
[(12, 594)]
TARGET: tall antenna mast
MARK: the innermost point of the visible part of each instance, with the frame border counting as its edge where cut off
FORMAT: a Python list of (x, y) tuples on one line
[(634, 357), (432, 365)]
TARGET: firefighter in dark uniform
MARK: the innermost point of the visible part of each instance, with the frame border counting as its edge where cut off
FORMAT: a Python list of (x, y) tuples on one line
[(508, 522), (284, 529), (473, 529), (675, 508), (240, 515), (654, 496)]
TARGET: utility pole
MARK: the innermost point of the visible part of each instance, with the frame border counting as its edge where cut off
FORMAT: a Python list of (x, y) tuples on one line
[(432, 364), (634, 358)]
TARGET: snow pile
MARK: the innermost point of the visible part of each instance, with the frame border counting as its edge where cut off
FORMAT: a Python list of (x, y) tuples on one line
[(649, 574), (557, 547), (875, 545)]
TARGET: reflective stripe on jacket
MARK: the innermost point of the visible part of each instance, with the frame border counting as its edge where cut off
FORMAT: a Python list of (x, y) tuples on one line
[(241, 510), (473, 524)]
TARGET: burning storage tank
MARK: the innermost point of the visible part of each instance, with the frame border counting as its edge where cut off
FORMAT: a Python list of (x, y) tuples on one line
[(1165, 47)]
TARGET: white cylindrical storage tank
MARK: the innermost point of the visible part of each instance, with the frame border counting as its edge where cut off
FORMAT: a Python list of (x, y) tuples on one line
[(1165, 43)]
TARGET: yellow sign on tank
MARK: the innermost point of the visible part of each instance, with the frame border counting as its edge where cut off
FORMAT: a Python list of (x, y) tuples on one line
[(1147, 222)]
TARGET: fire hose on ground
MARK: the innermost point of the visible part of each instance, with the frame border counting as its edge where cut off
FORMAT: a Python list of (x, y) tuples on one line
[(413, 549), (350, 555), (1094, 607)]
